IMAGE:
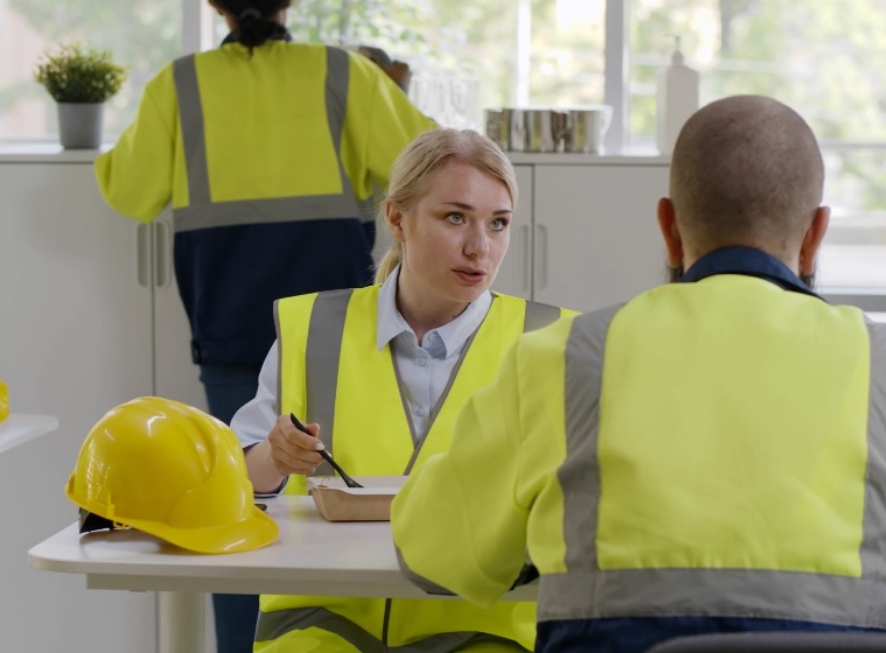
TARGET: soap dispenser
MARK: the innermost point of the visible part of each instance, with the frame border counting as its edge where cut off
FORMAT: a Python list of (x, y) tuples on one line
[(676, 100)]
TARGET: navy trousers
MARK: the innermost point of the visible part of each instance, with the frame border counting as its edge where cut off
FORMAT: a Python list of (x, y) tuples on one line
[(227, 388)]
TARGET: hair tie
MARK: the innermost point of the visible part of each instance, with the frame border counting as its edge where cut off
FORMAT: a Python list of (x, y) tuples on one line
[(252, 12)]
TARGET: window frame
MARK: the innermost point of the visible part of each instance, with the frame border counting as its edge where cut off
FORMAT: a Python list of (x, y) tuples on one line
[(197, 35)]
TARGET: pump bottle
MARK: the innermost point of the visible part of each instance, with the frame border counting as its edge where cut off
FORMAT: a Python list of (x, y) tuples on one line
[(676, 100)]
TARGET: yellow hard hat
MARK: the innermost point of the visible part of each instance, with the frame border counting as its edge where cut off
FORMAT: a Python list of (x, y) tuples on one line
[(173, 471), (4, 401)]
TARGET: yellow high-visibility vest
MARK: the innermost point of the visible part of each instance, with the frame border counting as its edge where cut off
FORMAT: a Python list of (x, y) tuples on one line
[(709, 449), (333, 373)]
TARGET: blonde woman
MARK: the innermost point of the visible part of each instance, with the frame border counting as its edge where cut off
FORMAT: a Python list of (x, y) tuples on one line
[(379, 374)]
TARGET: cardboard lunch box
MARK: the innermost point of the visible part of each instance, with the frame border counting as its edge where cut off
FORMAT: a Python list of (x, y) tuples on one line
[(336, 501)]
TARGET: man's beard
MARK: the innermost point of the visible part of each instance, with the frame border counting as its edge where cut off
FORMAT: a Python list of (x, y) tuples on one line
[(676, 273)]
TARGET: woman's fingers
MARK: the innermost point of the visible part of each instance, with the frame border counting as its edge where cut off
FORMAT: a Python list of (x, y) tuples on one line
[(292, 450)]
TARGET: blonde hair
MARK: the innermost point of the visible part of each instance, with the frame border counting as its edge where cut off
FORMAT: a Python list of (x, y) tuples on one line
[(426, 155)]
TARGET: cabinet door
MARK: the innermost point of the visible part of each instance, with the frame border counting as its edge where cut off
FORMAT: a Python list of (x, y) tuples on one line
[(75, 340), (515, 273), (176, 376), (596, 236)]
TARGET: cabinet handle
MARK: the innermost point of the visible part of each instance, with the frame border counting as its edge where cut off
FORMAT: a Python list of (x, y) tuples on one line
[(142, 255), (541, 256), (162, 253), (527, 259)]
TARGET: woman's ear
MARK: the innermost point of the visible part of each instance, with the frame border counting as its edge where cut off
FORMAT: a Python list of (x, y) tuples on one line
[(394, 219)]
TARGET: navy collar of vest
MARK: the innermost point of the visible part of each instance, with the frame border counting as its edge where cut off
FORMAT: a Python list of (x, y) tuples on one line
[(748, 261), (230, 38)]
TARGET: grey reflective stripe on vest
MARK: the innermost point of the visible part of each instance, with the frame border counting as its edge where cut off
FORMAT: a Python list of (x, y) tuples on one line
[(202, 213), (338, 72), (539, 316), (190, 113), (272, 625), (579, 475), (322, 355), (873, 545), (585, 592)]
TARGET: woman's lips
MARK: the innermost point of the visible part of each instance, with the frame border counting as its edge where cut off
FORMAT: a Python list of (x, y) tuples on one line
[(470, 276)]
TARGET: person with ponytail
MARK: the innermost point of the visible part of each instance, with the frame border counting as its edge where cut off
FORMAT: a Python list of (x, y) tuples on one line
[(379, 373), (268, 152)]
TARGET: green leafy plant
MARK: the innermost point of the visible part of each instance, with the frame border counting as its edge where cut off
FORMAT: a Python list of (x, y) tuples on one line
[(81, 74)]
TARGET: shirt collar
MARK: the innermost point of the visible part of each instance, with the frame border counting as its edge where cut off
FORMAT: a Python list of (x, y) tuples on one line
[(230, 38), (748, 261), (453, 334)]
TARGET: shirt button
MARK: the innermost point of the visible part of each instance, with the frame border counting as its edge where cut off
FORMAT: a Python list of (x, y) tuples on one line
[(420, 412), (422, 362)]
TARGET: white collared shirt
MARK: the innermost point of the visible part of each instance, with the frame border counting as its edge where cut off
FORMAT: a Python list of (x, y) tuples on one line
[(424, 368)]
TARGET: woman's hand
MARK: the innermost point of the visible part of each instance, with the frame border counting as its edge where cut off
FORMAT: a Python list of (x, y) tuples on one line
[(293, 451)]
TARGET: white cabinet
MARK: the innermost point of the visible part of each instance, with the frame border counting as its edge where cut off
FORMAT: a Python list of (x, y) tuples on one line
[(75, 339), (585, 234), (90, 317), (515, 273)]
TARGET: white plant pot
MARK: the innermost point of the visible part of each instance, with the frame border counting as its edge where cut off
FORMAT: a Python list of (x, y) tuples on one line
[(80, 124)]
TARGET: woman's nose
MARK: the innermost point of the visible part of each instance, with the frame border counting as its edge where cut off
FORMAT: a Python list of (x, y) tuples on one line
[(477, 243)]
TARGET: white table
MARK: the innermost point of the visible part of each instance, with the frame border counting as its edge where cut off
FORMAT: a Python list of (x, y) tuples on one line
[(17, 429), (311, 557)]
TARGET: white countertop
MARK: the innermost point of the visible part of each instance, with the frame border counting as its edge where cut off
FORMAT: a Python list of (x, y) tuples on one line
[(18, 429), (568, 158), (52, 152), (46, 152)]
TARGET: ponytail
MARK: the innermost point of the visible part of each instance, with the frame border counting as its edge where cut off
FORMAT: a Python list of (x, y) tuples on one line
[(388, 263), (254, 30), (256, 20)]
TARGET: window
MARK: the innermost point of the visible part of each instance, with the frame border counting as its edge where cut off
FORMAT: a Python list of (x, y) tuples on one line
[(827, 61), (467, 55), (146, 35)]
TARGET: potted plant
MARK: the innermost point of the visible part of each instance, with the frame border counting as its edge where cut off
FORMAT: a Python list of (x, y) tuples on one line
[(80, 79)]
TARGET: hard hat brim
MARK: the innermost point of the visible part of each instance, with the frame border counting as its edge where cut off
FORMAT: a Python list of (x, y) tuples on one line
[(254, 532)]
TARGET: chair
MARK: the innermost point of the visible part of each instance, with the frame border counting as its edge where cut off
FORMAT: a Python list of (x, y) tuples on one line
[(776, 642)]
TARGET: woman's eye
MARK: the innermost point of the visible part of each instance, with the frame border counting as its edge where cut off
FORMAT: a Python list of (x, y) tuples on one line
[(499, 224), (455, 218)]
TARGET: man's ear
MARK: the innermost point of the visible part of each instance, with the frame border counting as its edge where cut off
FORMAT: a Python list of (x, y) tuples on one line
[(667, 223), (394, 220), (812, 240)]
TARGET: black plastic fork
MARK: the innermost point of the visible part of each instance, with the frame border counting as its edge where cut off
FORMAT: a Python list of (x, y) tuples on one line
[(328, 456)]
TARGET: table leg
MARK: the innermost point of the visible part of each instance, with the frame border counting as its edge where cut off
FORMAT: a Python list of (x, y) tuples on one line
[(180, 622)]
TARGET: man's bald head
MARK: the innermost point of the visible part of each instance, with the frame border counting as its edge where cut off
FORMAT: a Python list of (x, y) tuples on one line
[(746, 170)]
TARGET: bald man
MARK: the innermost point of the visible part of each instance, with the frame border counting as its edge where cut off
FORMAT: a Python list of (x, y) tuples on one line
[(708, 457)]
